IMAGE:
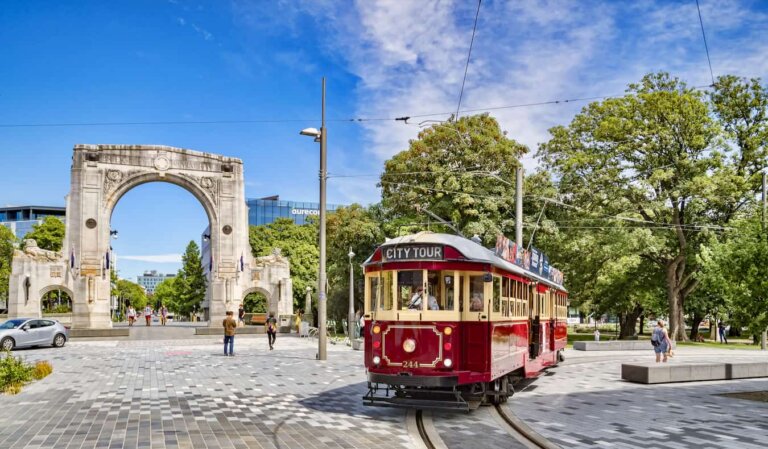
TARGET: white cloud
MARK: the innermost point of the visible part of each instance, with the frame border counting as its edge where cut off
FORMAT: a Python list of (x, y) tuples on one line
[(155, 258), (409, 58)]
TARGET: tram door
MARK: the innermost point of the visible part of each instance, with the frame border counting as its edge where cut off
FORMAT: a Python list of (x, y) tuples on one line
[(534, 334), (475, 307)]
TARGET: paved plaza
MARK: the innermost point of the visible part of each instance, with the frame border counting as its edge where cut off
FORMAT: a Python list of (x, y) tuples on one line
[(186, 394)]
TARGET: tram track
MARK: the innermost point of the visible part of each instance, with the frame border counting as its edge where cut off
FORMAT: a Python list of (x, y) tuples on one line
[(422, 425)]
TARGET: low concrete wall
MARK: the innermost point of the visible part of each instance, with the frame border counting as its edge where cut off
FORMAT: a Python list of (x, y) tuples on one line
[(93, 333), (615, 345), (658, 373), (63, 318)]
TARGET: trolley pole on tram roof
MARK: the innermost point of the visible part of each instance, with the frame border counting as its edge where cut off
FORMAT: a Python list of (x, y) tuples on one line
[(519, 207)]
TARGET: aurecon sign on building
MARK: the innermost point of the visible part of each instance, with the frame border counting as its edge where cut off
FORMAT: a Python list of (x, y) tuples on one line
[(305, 212)]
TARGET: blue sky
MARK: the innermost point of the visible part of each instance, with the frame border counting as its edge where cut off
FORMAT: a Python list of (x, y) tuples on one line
[(128, 61)]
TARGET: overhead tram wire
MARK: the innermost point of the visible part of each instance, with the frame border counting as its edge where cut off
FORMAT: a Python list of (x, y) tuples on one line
[(469, 56), (404, 118), (706, 47)]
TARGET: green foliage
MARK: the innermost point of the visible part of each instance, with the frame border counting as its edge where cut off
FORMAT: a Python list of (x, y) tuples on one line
[(56, 301), (169, 293), (13, 373), (49, 234), (454, 170), (355, 228), (7, 241), (255, 302), (130, 293), (657, 156), (298, 243), (734, 270), (185, 293)]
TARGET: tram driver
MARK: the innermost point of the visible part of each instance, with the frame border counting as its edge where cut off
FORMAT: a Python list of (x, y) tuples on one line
[(415, 303)]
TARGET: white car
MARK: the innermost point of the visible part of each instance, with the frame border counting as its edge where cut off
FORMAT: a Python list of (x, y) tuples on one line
[(27, 332)]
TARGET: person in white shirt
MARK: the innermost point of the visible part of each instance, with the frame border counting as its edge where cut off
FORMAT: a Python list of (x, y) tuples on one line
[(415, 303)]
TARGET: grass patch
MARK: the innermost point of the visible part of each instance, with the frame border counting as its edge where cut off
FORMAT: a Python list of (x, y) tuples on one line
[(14, 372)]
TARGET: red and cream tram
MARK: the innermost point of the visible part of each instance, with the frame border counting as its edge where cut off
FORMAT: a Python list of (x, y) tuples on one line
[(451, 324)]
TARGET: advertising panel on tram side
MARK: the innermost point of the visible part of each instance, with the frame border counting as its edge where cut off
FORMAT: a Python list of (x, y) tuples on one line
[(532, 260)]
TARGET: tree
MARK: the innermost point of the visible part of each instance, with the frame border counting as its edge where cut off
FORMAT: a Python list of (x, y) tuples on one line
[(653, 156), (168, 294), (7, 241), (734, 270), (298, 243), (449, 170), (131, 293), (255, 302), (190, 283), (49, 234), (355, 228)]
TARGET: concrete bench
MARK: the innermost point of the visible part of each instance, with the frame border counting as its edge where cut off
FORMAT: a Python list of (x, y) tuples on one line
[(99, 333), (745, 370), (658, 373), (615, 345)]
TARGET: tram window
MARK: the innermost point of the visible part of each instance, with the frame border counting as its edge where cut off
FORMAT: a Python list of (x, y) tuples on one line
[(386, 301), (476, 294), (410, 290), (435, 290), (373, 289), (496, 294), (461, 293), (448, 286)]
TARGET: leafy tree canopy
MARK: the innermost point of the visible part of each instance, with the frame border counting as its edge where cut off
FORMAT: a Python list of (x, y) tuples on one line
[(447, 170), (49, 234), (7, 241), (298, 243)]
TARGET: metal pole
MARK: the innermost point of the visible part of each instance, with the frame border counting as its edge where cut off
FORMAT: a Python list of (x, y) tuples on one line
[(519, 207), (351, 317), (764, 336), (321, 301), (308, 306)]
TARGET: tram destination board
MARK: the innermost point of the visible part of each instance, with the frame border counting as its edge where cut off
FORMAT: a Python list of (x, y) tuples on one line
[(413, 252)]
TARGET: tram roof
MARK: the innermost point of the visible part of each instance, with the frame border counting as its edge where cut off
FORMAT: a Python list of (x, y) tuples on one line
[(469, 249)]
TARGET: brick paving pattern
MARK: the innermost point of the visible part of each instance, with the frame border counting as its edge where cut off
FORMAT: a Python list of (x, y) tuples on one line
[(186, 394)]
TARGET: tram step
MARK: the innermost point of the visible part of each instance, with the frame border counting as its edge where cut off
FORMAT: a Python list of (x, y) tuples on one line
[(431, 404)]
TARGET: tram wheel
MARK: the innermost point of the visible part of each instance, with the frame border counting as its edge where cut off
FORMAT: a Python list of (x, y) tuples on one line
[(498, 390)]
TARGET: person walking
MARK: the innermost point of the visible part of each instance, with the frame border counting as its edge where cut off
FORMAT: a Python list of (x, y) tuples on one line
[(131, 315), (298, 321), (163, 314), (271, 330), (661, 342), (230, 326), (241, 315), (721, 331), (148, 315)]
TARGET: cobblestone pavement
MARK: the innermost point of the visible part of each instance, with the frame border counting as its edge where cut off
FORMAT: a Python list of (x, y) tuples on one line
[(584, 403), (186, 394)]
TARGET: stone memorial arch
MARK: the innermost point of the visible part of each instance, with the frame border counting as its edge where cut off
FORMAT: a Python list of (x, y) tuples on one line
[(101, 175)]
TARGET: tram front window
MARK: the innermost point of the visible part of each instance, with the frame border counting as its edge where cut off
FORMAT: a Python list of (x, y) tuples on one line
[(410, 290), (385, 301), (440, 290)]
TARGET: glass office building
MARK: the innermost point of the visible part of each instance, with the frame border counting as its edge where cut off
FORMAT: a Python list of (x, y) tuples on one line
[(265, 210), (21, 219)]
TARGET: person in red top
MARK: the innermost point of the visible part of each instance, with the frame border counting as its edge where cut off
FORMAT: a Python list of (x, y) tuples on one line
[(148, 315)]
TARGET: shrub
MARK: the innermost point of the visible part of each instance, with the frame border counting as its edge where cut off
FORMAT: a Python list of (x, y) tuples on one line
[(12, 389), (13, 372), (42, 369)]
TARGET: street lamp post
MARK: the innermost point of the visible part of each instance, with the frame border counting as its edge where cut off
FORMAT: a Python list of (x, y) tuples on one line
[(322, 137), (764, 336), (308, 306), (351, 321)]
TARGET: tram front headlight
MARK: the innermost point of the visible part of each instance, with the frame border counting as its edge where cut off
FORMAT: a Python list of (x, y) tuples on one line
[(376, 360), (447, 363)]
